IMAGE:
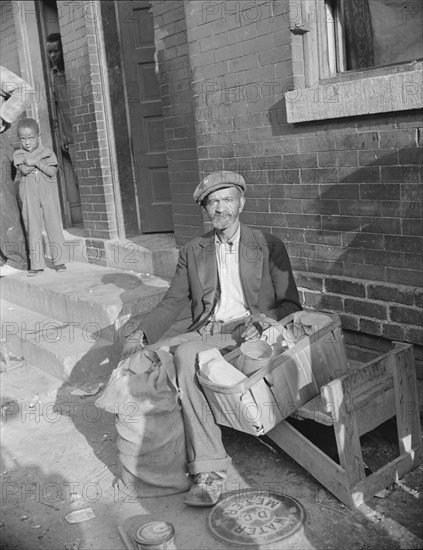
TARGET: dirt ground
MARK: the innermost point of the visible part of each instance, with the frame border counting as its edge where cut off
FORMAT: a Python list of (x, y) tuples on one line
[(59, 455)]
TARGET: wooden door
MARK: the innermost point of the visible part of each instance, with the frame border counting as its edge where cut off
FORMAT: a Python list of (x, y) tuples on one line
[(145, 116), (70, 200)]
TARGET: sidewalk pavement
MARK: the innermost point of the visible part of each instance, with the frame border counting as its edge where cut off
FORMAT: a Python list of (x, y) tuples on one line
[(59, 454)]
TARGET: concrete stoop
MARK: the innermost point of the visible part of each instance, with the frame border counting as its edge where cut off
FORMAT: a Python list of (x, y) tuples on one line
[(154, 254), (73, 320)]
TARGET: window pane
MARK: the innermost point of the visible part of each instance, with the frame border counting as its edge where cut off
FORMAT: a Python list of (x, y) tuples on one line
[(382, 32)]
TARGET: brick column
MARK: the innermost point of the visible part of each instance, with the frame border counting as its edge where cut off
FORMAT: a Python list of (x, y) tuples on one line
[(86, 72), (178, 112)]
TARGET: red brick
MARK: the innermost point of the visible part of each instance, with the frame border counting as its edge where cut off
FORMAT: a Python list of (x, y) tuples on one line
[(317, 143), (324, 237), (340, 223), (228, 52), (390, 191), (323, 301), (380, 257), (282, 38), (393, 332), (341, 191), (316, 206), (242, 34), (286, 205), (411, 245), (289, 234), (398, 138), (411, 156), (281, 147), (414, 335), (418, 297), (349, 322), (329, 158), (344, 286), (368, 140), (244, 63), (367, 174), (412, 226), (258, 44), (390, 293), (412, 261), (388, 226), (276, 55), (366, 308), (361, 208), (411, 192), (317, 266), (371, 327), (402, 209), (408, 315), (386, 157), (307, 221), (319, 175), (309, 281), (401, 174)]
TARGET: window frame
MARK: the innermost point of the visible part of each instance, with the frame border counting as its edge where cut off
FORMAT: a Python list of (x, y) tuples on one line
[(323, 89)]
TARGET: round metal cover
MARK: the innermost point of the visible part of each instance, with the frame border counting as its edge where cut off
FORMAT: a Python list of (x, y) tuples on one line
[(254, 518)]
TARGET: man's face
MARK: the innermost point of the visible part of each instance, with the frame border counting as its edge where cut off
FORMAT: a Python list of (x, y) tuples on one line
[(55, 54), (224, 206), (28, 138)]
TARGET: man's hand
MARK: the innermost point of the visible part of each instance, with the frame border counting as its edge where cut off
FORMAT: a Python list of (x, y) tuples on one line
[(254, 326), (251, 332), (132, 343)]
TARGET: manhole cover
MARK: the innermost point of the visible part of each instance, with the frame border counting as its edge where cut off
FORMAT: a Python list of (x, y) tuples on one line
[(251, 518)]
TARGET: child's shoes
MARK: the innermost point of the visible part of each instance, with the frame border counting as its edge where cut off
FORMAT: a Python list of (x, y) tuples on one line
[(33, 272)]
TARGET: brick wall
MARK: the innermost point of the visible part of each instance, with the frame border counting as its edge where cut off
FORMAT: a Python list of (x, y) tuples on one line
[(9, 56), (81, 49), (344, 195), (178, 112)]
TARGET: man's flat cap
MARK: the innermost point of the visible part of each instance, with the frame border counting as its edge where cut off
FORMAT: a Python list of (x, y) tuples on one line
[(218, 180)]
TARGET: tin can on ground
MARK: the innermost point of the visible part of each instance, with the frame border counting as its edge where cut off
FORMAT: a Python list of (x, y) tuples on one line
[(155, 535)]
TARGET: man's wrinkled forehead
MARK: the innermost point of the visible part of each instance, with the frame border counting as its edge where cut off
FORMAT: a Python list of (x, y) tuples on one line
[(231, 191)]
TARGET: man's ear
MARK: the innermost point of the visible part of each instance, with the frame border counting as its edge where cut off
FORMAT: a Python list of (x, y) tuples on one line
[(241, 203)]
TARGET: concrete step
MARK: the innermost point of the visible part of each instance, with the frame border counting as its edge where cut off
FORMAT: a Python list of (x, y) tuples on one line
[(60, 349), (155, 254), (95, 299)]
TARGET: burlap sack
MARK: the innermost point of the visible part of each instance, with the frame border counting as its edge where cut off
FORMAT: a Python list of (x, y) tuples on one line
[(142, 393)]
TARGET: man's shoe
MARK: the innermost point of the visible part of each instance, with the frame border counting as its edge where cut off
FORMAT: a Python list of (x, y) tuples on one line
[(60, 267), (33, 272), (206, 489)]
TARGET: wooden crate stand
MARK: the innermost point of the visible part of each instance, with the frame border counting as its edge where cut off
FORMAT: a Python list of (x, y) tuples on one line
[(355, 404)]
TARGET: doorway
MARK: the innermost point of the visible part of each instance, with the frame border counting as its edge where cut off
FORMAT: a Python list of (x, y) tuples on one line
[(145, 116), (58, 94)]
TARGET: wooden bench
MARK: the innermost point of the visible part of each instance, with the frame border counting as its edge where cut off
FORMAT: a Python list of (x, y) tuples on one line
[(355, 404)]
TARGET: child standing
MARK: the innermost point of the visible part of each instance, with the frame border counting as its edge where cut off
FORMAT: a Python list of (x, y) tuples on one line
[(37, 166)]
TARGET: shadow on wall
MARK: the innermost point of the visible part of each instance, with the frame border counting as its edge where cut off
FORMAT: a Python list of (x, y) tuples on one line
[(360, 210)]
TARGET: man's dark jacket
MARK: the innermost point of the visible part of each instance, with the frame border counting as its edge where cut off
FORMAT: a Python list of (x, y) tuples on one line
[(266, 277)]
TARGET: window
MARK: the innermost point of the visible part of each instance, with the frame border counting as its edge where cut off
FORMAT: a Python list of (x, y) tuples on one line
[(364, 55)]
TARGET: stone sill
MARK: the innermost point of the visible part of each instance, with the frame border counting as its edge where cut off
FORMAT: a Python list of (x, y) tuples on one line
[(401, 90)]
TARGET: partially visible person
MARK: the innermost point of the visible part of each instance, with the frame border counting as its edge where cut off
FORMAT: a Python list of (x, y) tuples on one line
[(14, 99), (37, 167), (61, 98)]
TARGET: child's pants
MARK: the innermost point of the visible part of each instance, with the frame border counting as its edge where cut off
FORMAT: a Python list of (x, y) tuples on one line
[(39, 202)]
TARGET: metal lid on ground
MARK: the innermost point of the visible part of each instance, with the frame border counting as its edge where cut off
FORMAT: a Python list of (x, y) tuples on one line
[(252, 518)]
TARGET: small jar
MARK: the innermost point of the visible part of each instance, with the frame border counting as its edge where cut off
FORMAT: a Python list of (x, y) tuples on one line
[(155, 535)]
